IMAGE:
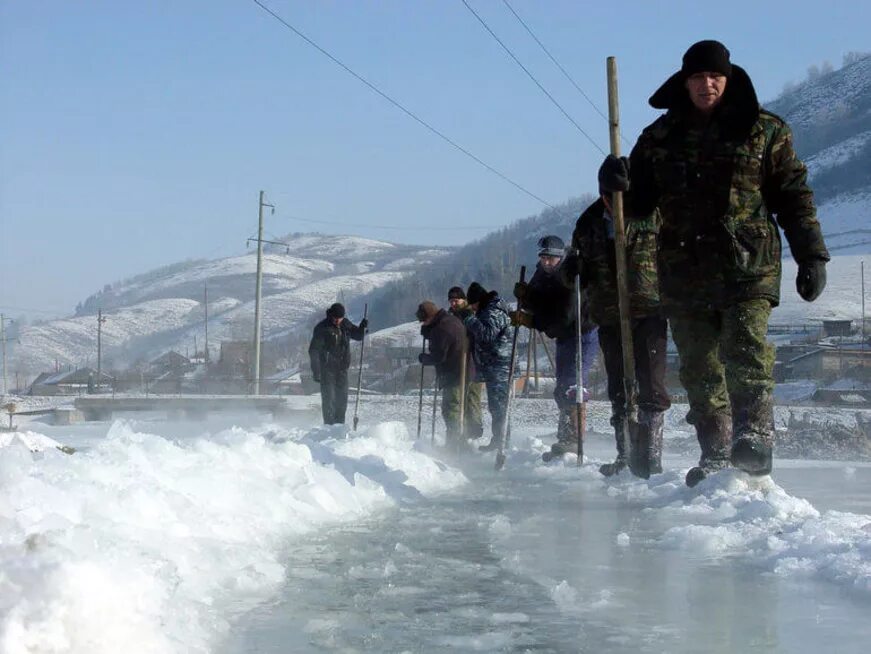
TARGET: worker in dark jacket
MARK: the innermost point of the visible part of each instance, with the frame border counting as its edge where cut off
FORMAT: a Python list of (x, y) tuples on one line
[(330, 353), (548, 305), (447, 346), (594, 257)]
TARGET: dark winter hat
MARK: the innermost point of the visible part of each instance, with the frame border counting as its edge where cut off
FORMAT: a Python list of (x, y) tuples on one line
[(475, 293), (456, 293), (426, 310), (551, 246), (706, 57), (710, 56), (336, 311)]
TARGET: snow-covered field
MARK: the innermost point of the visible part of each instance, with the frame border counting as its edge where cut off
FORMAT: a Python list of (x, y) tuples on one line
[(245, 535)]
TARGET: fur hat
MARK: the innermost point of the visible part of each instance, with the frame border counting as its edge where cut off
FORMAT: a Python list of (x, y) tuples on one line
[(336, 311), (475, 293), (426, 310)]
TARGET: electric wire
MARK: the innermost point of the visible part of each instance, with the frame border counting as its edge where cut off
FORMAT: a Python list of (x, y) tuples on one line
[(401, 107), (558, 65), (532, 77)]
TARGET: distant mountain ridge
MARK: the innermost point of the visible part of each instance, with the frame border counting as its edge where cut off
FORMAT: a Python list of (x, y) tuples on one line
[(165, 309)]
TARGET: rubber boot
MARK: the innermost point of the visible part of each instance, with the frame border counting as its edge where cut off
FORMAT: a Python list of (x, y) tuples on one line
[(753, 434), (611, 469), (715, 436)]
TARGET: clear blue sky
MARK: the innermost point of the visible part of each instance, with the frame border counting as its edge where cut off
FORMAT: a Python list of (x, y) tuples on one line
[(136, 134)]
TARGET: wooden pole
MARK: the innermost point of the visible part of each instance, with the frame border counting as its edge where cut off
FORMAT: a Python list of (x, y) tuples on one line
[(463, 382), (620, 252), (360, 369)]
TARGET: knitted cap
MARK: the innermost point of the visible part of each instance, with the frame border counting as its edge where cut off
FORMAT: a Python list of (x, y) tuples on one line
[(706, 57), (456, 293), (475, 293)]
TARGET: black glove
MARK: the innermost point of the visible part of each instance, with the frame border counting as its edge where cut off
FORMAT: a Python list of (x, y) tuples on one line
[(424, 359), (364, 324), (614, 174), (463, 313), (520, 290), (317, 378), (811, 279)]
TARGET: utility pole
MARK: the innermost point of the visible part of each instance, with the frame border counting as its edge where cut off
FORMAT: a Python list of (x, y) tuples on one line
[(863, 299), (100, 321), (206, 305), (3, 343), (258, 291)]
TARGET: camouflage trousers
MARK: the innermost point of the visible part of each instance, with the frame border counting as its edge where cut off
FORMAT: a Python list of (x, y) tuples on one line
[(723, 355), (472, 418)]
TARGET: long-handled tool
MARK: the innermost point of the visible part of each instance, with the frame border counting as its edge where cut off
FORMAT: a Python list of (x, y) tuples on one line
[(360, 371), (630, 417), (435, 403), (506, 429), (579, 370), (420, 393)]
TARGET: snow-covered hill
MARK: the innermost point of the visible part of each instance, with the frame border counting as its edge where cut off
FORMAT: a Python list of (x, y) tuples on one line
[(164, 309), (831, 119)]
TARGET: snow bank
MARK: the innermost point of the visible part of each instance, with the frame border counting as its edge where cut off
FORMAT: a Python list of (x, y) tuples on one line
[(733, 515), (144, 544)]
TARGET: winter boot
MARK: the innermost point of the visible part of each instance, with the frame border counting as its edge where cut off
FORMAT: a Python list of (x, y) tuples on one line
[(714, 434), (492, 445), (611, 469), (567, 432), (645, 459), (753, 434)]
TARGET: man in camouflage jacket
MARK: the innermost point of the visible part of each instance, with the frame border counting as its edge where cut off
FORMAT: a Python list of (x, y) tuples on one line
[(490, 329), (594, 258), (724, 175)]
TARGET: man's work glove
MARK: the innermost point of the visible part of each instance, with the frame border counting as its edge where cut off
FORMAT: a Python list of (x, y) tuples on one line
[(520, 290), (364, 324), (811, 279), (614, 174), (521, 318)]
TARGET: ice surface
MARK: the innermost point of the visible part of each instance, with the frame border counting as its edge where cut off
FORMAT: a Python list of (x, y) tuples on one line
[(252, 536)]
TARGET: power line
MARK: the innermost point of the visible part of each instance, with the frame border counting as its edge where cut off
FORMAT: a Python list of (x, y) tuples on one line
[(532, 77), (557, 64), (547, 52), (401, 107)]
